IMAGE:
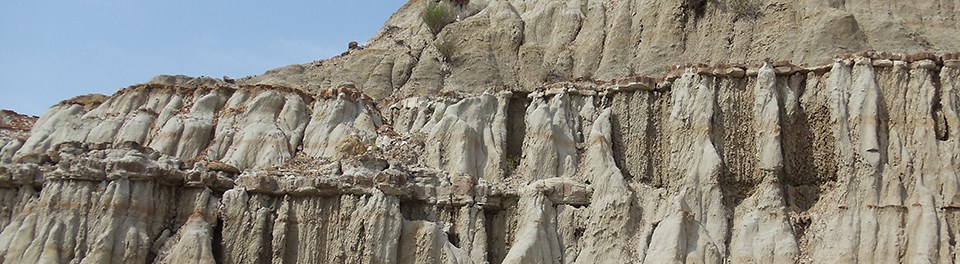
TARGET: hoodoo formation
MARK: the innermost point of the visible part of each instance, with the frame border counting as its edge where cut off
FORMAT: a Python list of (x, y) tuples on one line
[(523, 131)]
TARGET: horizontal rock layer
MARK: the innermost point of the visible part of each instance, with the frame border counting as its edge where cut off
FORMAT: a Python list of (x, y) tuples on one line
[(852, 162)]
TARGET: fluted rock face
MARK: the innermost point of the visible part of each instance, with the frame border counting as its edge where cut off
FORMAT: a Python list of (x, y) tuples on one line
[(852, 162), (389, 155)]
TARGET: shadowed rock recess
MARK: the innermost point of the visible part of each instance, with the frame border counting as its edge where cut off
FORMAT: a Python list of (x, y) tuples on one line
[(540, 140)]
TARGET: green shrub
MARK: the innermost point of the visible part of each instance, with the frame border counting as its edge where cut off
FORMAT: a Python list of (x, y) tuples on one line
[(437, 14), (447, 50)]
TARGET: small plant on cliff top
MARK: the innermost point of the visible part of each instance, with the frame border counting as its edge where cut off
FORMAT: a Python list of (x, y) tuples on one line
[(437, 14)]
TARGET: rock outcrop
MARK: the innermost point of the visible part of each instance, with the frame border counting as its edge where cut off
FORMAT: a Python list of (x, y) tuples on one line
[(521, 44), (14, 130), (389, 155)]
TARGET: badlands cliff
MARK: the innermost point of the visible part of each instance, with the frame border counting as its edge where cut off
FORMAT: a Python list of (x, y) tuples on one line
[(557, 133)]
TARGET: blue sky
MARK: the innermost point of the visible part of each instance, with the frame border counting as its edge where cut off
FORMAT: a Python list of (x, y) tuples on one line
[(53, 50)]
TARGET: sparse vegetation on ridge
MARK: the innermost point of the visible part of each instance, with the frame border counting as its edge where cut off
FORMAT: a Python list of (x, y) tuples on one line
[(436, 15)]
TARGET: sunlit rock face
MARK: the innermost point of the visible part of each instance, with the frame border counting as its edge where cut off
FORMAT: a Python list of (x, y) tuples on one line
[(554, 135)]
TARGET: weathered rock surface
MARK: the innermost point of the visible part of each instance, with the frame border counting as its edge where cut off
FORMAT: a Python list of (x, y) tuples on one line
[(522, 43), (512, 153), (852, 161), (14, 130)]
